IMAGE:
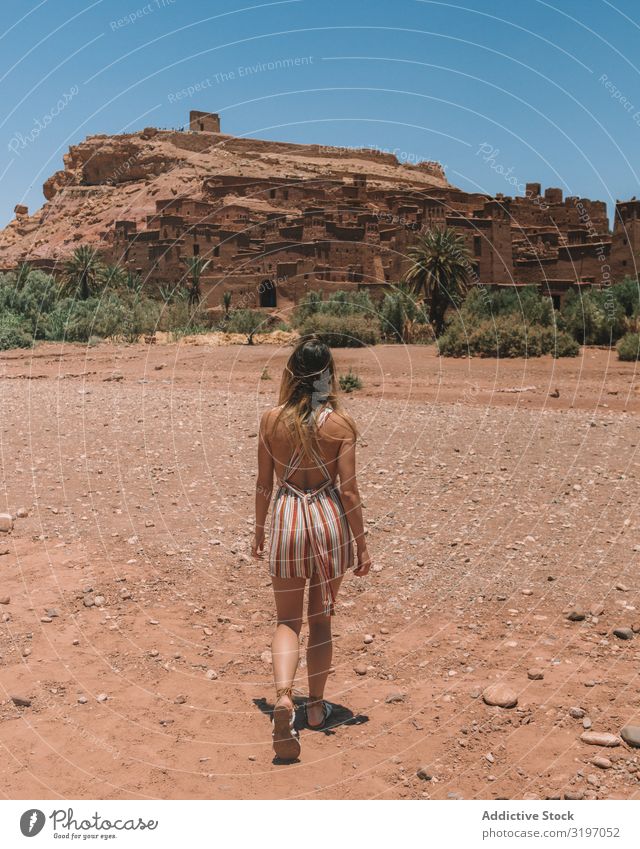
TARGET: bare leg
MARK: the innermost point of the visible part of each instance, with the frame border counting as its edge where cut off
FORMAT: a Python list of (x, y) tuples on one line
[(320, 648), (289, 596)]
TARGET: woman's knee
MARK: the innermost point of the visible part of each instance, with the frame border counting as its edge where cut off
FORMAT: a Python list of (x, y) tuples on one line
[(320, 626), (294, 624)]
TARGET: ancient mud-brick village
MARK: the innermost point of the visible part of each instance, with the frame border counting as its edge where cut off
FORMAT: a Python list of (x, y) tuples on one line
[(278, 220)]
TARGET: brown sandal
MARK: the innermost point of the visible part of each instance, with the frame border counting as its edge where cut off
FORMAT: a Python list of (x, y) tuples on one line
[(327, 710), (286, 742)]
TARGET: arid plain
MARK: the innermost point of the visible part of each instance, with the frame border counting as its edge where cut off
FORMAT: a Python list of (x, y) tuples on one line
[(501, 500)]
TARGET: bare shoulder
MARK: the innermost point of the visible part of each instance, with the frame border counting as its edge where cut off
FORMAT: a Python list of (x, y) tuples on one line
[(341, 426), (268, 420)]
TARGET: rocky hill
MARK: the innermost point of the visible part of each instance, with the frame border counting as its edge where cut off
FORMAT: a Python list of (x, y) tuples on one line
[(107, 178)]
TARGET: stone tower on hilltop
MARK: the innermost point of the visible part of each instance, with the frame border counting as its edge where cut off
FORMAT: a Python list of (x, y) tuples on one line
[(204, 122)]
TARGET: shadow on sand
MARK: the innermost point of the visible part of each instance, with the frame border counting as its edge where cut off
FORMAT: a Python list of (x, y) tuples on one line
[(341, 715)]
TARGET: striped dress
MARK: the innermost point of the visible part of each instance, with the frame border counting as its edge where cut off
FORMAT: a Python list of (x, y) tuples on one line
[(309, 529)]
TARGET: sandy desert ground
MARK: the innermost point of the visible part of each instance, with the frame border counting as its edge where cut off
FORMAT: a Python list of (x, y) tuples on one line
[(500, 497)]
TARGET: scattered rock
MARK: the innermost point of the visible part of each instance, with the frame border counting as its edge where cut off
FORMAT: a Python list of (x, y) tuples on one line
[(631, 735), (360, 669), (500, 695), (99, 600), (102, 697), (6, 523), (88, 601), (180, 700), (368, 638), (424, 774), (22, 513), (20, 701), (600, 738), (82, 700), (392, 698), (601, 763), (5, 599), (623, 633), (212, 675), (4, 549), (535, 674), (575, 615)]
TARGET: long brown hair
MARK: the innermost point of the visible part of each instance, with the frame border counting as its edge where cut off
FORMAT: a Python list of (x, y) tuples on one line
[(309, 383)]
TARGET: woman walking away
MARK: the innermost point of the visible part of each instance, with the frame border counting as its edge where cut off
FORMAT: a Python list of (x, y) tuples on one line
[(309, 444)]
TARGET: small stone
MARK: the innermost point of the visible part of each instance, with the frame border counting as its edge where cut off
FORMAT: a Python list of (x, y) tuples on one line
[(623, 588), (125, 594), (102, 697), (4, 549), (600, 738), (180, 700), (22, 513), (212, 675), (6, 523), (46, 619), (368, 638), (576, 615), (266, 657), (88, 601), (82, 700), (535, 674), (574, 795), (623, 633), (360, 669), (153, 622), (597, 610), (500, 695), (424, 774), (21, 701), (587, 723), (5, 599), (631, 735), (601, 763), (392, 698), (75, 643), (420, 563), (99, 600)]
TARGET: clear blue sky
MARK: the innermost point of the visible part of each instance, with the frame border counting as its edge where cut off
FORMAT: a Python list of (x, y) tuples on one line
[(549, 91)]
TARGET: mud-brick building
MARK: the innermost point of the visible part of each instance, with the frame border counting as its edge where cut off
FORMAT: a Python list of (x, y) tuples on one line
[(271, 237)]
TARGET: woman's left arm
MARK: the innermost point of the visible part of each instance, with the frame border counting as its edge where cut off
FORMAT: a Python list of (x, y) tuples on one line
[(264, 487)]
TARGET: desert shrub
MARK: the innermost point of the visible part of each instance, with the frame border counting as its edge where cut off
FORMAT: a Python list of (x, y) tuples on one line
[(248, 322), (525, 303), (629, 347), (109, 316), (506, 336), (594, 318), (454, 342), (339, 304), (350, 381), (400, 313), (13, 333), (354, 331), (627, 294)]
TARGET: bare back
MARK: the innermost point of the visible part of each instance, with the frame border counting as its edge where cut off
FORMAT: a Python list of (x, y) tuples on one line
[(308, 475)]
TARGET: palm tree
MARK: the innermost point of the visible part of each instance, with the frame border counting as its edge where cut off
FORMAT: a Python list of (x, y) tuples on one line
[(196, 266), (114, 276), (84, 271), (439, 271), (22, 274), (226, 303)]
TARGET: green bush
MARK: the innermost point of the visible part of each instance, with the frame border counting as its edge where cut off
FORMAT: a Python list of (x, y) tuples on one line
[(594, 318), (400, 313), (13, 333), (629, 347), (352, 331), (339, 304), (349, 381), (525, 303), (507, 336), (248, 322)]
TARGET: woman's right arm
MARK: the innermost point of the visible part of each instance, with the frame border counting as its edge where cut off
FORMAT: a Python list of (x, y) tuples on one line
[(350, 497)]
